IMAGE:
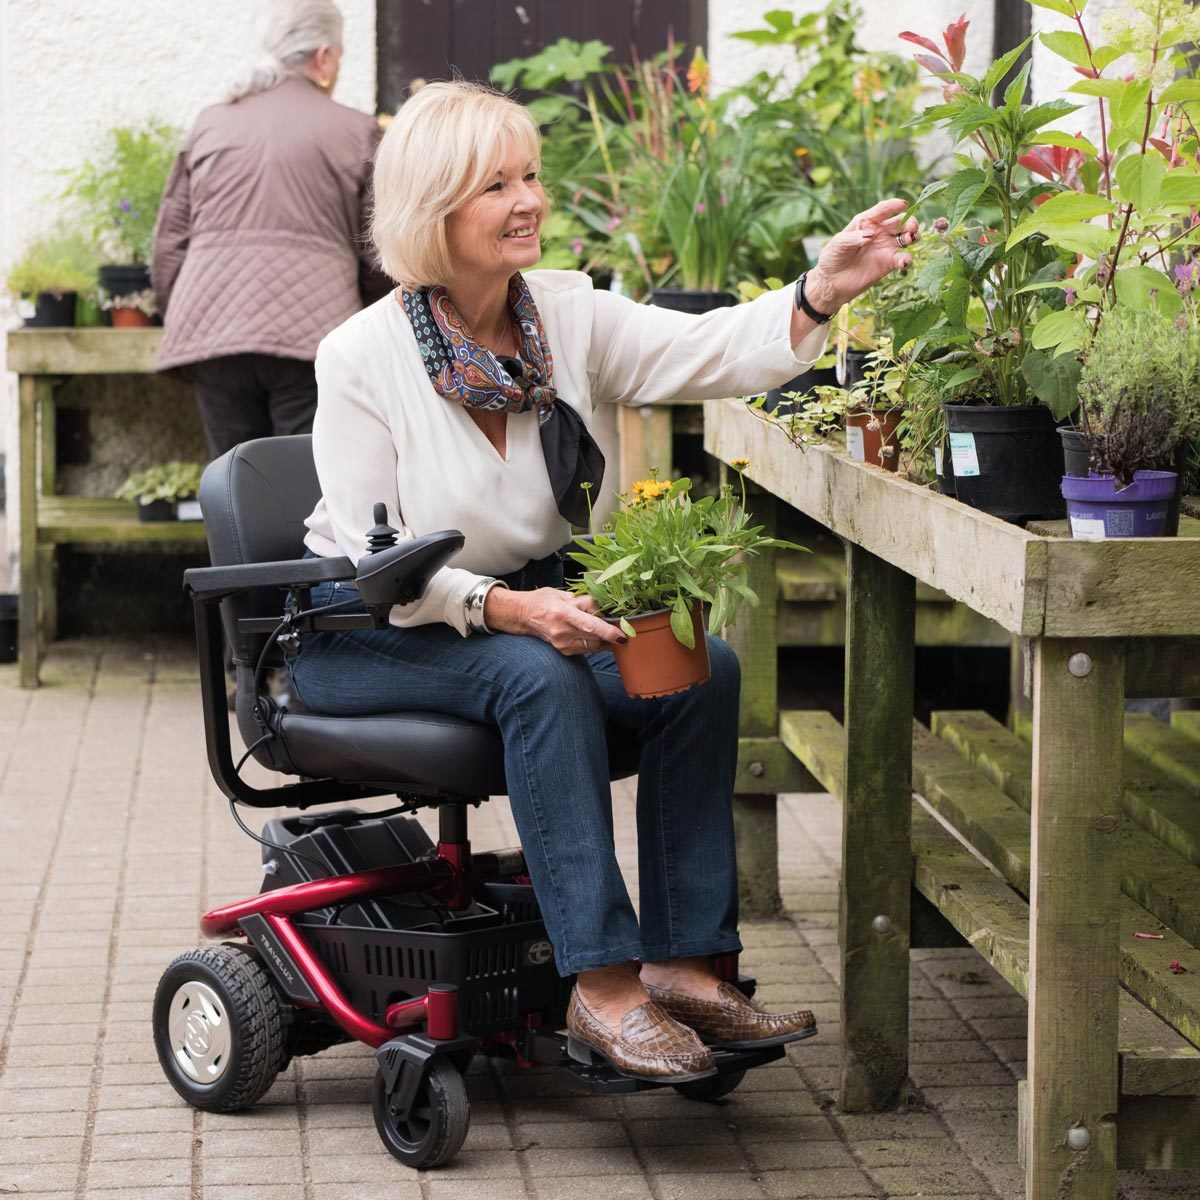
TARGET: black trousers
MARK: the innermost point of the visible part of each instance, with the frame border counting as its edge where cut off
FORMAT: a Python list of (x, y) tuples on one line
[(246, 396)]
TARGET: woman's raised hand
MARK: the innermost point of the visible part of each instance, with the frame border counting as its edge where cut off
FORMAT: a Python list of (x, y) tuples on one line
[(566, 621), (871, 246)]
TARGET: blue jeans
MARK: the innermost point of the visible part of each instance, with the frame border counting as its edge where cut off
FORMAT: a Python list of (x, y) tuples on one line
[(551, 711)]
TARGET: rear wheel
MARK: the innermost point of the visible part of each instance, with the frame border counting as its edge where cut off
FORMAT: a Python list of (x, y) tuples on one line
[(436, 1125), (218, 1028)]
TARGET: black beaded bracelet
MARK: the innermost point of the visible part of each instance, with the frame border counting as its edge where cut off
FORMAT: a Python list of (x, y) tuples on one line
[(807, 309)]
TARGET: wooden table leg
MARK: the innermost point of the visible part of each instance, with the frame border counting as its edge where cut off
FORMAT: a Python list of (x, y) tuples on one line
[(645, 434), (27, 639), (753, 637), (873, 928), (1075, 888)]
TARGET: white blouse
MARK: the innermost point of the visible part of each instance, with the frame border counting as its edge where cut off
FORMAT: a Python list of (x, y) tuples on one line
[(382, 433)]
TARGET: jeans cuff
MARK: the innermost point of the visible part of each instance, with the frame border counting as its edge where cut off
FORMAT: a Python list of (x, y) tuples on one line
[(692, 949), (574, 963)]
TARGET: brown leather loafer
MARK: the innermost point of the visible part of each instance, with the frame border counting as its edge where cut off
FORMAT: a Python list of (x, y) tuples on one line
[(734, 1022), (649, 1044)]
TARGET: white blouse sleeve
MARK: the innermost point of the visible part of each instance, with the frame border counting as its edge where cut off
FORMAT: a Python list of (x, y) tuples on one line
[(640, 354), (356, 459)]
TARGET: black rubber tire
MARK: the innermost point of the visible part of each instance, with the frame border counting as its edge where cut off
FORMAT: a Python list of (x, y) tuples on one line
[(711, 1089), (256, 1025), (438, 1123)]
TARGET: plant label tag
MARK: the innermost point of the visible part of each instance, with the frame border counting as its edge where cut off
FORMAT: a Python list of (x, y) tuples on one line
[(854, 443), (962, 454), (188, 510), (1087, 529), (937, 460)]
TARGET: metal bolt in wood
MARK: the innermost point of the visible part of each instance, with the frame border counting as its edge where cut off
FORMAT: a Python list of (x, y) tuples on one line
[(1078, 1137), (1080, 665), (882, 924), (757, 770)]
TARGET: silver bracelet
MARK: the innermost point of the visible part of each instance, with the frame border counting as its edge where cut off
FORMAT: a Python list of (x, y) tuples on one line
[(473, 605)]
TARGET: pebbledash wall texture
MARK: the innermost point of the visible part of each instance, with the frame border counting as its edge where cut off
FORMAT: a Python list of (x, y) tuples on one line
[(71, 69)]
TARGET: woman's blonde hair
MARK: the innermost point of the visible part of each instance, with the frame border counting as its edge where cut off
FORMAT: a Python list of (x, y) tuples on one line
[(292, 32), (444, 144)]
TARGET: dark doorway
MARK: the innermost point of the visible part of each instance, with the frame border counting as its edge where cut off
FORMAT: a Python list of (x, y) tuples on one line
[(434, 39)]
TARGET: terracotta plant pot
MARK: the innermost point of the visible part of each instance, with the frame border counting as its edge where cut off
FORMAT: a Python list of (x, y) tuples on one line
[(130, 318), (654, 663), (871, 438)]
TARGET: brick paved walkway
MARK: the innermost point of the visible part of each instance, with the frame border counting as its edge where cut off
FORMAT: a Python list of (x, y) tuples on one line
[(113, 839)]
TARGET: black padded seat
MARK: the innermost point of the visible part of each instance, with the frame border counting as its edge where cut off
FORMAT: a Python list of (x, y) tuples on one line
[(418, 750)]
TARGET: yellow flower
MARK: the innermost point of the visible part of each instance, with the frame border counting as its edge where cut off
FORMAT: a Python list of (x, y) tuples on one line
[(801, 151), (650, 489), (698, 74), (740, 464)]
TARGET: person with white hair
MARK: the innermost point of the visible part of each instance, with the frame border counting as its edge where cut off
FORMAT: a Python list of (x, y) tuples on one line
[(261, 246), (464, 401)]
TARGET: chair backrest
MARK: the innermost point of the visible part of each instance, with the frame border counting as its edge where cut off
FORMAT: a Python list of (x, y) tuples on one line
[(255, 499)]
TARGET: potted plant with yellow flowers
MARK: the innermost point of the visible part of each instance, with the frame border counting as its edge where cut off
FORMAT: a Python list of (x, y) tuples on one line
[(654, 568)]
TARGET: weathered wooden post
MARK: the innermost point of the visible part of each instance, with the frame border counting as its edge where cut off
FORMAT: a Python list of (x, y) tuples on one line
[(1075, 891), (873, 926)]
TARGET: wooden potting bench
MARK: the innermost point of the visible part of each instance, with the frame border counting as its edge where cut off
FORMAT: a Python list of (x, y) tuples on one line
[(1091, 837), (42, 358)]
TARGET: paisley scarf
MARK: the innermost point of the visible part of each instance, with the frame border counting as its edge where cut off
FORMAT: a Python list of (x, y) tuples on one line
[(462, 370)]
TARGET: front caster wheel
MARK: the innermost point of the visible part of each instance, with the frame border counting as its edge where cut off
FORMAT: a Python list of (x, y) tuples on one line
[(712, 1088), (436, 1125), (218, 1028)]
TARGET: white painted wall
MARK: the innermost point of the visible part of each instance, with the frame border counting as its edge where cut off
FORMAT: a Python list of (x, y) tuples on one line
[(734, 60), (72, 69)]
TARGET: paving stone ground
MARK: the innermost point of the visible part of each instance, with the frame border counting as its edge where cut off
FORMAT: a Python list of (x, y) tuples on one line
[(113, 839)]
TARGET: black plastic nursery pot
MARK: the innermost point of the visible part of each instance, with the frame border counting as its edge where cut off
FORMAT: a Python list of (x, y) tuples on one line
[(800, 385), (53, 310), (1076, 457), (689, 301), (156, 510), (943, 465), (8, 627), (1007, 460), (124, 279), (851, 367)]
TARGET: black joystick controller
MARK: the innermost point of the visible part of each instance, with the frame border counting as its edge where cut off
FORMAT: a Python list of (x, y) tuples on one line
[(383, 536)]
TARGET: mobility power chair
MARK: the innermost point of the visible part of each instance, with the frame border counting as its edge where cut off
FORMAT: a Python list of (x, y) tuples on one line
[(365, 929)]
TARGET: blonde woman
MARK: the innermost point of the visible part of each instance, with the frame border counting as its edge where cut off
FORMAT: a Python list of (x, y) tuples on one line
[(464, 399), (261, 247)]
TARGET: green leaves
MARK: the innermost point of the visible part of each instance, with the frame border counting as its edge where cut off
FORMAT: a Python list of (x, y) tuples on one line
[(911, 320), (1140, 178), (681, 623), (1054, 380), (1060, 331), (1144, 289), (963, 191), (1065, 7), (1066, 208)]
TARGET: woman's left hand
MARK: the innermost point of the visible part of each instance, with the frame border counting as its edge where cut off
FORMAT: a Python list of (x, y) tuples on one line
[(871, 246)]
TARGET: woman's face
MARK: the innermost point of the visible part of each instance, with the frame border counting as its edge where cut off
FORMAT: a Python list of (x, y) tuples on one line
[(497, 231)]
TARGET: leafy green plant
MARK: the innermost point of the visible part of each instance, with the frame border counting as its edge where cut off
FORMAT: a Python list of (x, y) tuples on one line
[(166, 481), (984, 289), (833, 122), (57, 262), (119, 190), (664, 550), (1127, 209), (1139, 390)]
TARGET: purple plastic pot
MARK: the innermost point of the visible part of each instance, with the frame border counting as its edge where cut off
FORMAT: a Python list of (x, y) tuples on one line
[(1097, 510)]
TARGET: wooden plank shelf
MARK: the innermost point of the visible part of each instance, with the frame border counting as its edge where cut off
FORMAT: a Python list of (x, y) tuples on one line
[(1155, 1059), (812, 608), (64, 519), (97, 351)]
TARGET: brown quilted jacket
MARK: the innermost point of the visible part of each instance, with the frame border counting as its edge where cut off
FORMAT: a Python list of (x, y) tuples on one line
[(261, 242)]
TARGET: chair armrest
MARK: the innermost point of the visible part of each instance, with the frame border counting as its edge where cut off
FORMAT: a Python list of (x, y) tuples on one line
[(215, 583)]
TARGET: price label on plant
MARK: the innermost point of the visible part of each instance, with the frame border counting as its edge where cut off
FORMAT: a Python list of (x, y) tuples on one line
[(962, 454), (937, 460), (854, 443), (1088, 529)]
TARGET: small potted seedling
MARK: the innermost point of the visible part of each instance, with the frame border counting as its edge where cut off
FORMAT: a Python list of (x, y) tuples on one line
[(166, 492)]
